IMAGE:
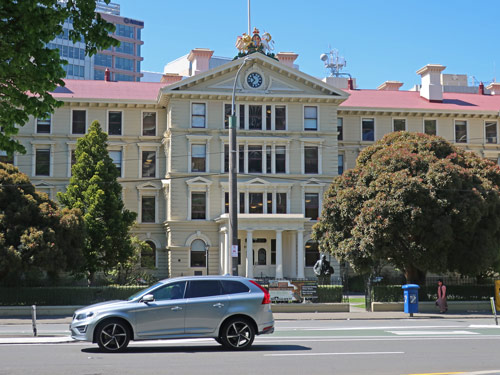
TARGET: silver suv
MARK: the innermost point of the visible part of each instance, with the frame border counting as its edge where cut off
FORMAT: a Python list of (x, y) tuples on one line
[(232, 310)]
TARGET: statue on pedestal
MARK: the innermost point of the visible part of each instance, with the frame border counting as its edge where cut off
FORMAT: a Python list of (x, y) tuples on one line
[(323, 270)]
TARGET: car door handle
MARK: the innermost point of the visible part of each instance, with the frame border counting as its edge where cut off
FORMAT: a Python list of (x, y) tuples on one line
[(219, 305), (176, 308)]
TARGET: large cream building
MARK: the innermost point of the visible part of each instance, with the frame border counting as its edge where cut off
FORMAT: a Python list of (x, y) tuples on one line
[(295, 134)]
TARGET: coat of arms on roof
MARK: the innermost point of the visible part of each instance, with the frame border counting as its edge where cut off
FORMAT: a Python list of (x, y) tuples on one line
[(247, 44)]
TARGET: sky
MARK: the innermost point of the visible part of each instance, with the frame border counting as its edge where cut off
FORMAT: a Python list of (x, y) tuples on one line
[(380, 40)]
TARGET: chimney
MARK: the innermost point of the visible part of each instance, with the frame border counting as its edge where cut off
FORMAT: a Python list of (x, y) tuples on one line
[(107, 75), (350, 83), (481, 89), (494, 88), (431, 89), (287, 58), (200, 60), (390, 86), (170, 78)]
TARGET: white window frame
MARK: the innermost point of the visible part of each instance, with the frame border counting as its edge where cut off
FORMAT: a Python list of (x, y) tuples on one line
[(122, 123), (341, 156), (143, 146), (273, 117), (122, 160), (71, 121), (314, 142), (374, 128), (35, 145), (395, 119), (200, 140), (313, 186), (50, 125), (71, 147), (433, 119), (142, 123), (304, 118), (455, 131), (148, 190), (198, 185), (191, 114), (496, 127)]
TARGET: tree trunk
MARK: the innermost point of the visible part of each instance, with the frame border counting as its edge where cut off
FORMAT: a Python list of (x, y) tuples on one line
[(414, 275)]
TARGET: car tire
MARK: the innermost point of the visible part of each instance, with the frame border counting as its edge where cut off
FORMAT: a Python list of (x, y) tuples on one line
[(113, 336), (237, 334)]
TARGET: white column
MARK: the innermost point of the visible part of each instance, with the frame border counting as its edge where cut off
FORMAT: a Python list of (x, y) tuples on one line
[(246, 158), (273, 158), (227, 253), (279, 255), (300, 254), (249, 269), (293, 253)]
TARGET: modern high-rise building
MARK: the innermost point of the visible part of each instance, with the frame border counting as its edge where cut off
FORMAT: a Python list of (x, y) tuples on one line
[(124, 61)]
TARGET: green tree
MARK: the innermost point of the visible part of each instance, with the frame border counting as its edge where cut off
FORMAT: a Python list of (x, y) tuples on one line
[(29, 70), (418, 203), (35, 236), (94, 190)]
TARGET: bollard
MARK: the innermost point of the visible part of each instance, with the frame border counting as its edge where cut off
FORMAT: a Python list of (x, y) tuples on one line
[(33, 319), (493, 309)]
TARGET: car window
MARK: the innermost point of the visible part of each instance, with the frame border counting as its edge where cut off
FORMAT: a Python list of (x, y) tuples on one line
[(233, 287), (203, 288), (170, 291), (144, 291)]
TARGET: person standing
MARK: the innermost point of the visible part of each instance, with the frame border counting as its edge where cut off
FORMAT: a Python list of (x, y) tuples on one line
[(441, 301)]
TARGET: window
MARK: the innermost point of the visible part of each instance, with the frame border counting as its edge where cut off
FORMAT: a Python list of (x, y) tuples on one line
[(340, 128), (312, 205), (256, 202), (242, 203), (148, 164), (368, 129), (149, 123), (124, 30), (198, 206), (43, 125), (280, 117), (461, 131), (170, 291), (227, 114), (310, 118), (124, 64), (125, 47), (115, 123), (273, 252), (73, 160), (340, 164), (312, 253), (241, 160), (124, 77), (280, 203), (148, 255), (148, 209), (116, 156), (268, 117), (226, 158), (6, 158), (198, 158), (226, 203), (42, 162), (255, 117), (280, 159), (242, 116), (234, 287), (255, 159), (430, 127), (103, 60), (79, 120), (203, 288), (98, 75), (269, 159), (399, 125), (261, 257), (490, 131), (269, 203), (198, 115), (311, 159), (198, 256)]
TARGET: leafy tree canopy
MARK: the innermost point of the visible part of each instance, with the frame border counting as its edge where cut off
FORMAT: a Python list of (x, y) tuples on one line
[(94, 190), (34, 234), (418, 203), (29, 70)]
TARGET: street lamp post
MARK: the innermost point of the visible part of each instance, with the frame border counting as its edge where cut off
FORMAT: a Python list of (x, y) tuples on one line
[(233, 182)]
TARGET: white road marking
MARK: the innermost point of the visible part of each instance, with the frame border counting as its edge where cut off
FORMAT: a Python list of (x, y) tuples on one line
[(317, 354), (362, 328), (433, 333)]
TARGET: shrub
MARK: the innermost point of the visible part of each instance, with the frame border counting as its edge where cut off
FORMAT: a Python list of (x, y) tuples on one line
[(329, 293)]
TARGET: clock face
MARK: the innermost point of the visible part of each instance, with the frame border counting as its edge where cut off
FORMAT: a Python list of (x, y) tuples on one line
[(254, 80)]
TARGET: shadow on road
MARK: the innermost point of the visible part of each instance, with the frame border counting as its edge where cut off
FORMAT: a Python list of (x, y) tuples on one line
[(201, 349)]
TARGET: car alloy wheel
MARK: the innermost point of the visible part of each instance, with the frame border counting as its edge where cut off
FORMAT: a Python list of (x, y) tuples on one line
[(237, 334), (113, 336)]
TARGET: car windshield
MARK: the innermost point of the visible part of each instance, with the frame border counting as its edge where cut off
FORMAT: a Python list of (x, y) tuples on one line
[(144, 291)]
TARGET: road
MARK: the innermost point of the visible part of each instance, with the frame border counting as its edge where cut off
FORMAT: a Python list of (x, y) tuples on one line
[(406, 346)]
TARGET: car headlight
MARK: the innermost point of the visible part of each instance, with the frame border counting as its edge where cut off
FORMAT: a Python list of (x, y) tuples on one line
[(84, 315)]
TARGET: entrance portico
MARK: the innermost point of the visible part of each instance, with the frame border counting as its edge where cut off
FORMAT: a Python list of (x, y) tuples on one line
[(270, 245)]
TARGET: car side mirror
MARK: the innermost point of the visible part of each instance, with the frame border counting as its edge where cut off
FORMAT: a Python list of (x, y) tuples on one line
[(148, 298)]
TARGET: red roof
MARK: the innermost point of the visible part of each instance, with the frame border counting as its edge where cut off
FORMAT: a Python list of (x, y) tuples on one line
[(413, 101), (87, 89)]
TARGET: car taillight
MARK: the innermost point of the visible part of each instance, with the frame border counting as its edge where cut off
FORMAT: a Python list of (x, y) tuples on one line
[(267, 296)]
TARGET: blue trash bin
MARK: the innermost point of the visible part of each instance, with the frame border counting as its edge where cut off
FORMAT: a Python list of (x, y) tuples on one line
[(411, 298)]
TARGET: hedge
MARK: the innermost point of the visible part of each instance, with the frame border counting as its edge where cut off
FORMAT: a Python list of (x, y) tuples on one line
[(61, 296), (394, 293), (329, 293)]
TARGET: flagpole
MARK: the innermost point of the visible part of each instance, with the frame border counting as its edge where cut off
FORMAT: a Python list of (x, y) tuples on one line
[(249, 27)]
